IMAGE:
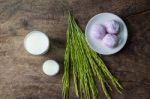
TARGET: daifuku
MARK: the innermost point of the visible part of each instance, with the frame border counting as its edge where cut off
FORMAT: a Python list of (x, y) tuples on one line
[(98, 31), (112, 26), (110, 40)]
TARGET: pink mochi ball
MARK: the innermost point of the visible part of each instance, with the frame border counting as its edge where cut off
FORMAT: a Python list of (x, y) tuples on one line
[(110, 40), (112, 26), (98, 31)]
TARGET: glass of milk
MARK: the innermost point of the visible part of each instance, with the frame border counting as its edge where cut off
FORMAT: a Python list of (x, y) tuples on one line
[(36, 43)]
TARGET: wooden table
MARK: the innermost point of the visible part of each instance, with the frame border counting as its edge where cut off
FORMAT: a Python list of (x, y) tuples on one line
[(21, 76)]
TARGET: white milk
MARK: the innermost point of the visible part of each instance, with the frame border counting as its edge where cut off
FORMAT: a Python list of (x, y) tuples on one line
[(50, 67), (36, 43)]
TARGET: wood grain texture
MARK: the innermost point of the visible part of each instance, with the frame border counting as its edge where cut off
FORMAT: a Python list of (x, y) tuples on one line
[(21, 76)]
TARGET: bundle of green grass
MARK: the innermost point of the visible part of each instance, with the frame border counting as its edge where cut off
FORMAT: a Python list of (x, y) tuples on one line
[(85, 65)]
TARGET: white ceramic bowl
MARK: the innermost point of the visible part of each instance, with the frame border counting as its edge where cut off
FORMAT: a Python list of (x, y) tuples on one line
[(96, 44)]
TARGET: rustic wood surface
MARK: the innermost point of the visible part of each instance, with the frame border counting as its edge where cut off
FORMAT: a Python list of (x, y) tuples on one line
[(21, 76)]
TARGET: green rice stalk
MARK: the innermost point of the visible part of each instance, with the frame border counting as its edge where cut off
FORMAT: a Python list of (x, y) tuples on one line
[(86, 65)]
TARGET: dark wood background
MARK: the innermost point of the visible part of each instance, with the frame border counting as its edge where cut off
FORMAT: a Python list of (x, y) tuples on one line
[(21, 75)]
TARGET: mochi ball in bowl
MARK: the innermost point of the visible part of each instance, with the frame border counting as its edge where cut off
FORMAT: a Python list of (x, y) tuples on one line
[(112, 26), (98, 31), (110, 40)]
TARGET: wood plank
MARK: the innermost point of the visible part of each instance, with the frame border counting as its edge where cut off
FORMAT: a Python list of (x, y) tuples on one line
[(21, 76)]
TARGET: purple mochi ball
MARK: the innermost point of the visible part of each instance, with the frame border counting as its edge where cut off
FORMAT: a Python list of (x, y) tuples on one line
[(110, 40), (112, 26), (98, 31)]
